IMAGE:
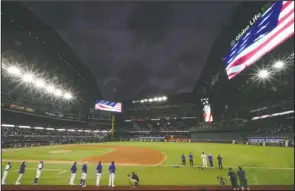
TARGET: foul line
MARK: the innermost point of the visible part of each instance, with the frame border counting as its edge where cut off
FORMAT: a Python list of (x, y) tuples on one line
[(62, 172), (146, 165), (47, 169), (158, 164)]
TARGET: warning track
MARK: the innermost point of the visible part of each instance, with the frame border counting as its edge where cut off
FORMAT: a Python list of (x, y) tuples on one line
[(204, 187)]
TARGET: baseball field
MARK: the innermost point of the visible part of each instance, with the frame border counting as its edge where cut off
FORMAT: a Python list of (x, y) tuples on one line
[(153, 162)]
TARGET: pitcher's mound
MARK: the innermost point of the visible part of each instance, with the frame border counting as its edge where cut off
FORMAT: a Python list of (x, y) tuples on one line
[(59, 151)]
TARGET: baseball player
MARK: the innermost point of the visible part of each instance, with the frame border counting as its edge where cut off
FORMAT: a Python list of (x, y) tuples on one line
[(204, 160), (38, 172), (98, 173), (242, 178), (21, 172), (219, 158), (5, 173), (183, 159), (191, 161), (73, 173), (233, 179), (210, 158), (84, 174), (112, 170)]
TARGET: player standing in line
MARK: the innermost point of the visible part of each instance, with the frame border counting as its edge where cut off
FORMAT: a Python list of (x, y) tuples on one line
[(84, 174), (183, 159), (233, 179), (210, 158), (38, 172), (21, 172), (191, 161), (219, 158), (73, 173), (5, 173), (204, 160), (112, 170), (98, 173), (242, 178)]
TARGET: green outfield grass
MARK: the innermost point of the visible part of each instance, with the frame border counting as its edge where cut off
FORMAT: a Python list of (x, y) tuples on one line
[(263, 165)]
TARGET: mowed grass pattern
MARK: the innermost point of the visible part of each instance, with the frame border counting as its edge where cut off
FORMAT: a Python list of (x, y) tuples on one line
[(269, 165)]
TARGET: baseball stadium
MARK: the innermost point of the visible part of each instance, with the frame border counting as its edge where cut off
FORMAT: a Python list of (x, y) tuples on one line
[(59, 132)]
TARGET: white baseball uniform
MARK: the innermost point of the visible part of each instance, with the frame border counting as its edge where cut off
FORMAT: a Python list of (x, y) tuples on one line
[(112, 179), (39, 170), (5, 173), (204, 160)]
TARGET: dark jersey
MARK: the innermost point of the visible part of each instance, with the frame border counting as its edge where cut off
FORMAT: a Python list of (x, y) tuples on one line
[(241, 175), (232, 175), (134, 176), (219, 159)]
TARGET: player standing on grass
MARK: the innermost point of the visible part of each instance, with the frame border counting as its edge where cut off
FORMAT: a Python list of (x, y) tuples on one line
[(5, 173), (73, 173), (112, 170), (219, 158), (84, 174), (183, 159), (204, 160), (21, 172), (210, 158), (98, 173), (233, 179), (38, 172), (191, 161), (242, 178)]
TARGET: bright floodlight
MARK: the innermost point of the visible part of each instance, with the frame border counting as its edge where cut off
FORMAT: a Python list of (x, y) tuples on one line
[(28, 78), (279, 64), (150, 100), (164, 98), (13, 70), (39, 83), (50, 89), (141, 101), (58, 92), (160, 99), (68, 96), (263, 74), (155, 99)]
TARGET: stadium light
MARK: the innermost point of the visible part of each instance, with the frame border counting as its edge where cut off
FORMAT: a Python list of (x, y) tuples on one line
[(50, 89), (263, 74), (13, 70), (141, 101), (68, 96), (164, 98), (160, 99), (58, 92), (28, 78), (7, 125), (279, 64), (155, 99), (40, 83), (150, 100)]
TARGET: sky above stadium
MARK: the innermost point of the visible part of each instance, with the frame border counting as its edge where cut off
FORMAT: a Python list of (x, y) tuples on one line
[(139, 49)]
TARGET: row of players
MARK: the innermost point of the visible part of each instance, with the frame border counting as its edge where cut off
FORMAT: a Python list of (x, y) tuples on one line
[(133, 177), (204, 160)]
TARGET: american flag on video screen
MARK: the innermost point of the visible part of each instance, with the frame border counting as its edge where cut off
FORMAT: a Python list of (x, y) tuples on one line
[(273, 27), (108, 106), (207, 113)]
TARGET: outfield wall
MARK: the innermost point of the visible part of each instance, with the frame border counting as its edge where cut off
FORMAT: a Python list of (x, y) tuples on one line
[(257, 142)]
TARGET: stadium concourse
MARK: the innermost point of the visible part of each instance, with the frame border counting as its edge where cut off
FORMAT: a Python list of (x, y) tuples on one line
[(49, 96)]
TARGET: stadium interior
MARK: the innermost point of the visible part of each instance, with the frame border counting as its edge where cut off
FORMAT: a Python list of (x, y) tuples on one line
[(47, 92), (54, 111)]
